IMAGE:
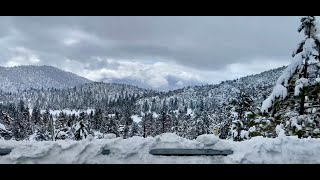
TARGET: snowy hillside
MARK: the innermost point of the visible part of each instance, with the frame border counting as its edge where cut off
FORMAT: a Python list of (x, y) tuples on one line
[(20, 78), (259, 84), (135, 150), (84, 96), (215, 97)]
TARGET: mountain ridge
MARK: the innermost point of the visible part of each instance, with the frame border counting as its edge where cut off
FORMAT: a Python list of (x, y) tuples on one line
[(24, 77)]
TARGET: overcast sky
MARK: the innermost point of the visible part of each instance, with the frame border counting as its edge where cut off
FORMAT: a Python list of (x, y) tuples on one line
[(155, 52)]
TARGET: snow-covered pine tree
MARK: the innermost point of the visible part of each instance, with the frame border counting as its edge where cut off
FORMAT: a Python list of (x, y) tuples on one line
[(51, 127), (80, 130), (193, 128), (35, 116), (225, 119), (27, 123), (153, 105), (4, 132), (175, 122), (148, 125), (184, 124), (104, 126), (97, 119), (39, 125), (163, 122), (113, 126), (145, 110), (21, 125), (242, 105), (127, 120), (63, 131), (134, 129), (292, 104)]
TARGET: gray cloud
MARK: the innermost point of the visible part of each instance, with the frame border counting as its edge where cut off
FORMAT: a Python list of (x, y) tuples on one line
[(211, 44)]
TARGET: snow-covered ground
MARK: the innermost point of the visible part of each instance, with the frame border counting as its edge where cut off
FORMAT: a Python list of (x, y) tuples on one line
[(2, 127), (136, 118), (67, 111), (135, 150)]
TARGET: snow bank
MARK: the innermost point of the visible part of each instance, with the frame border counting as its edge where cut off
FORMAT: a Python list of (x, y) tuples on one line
[(135, 150), (110, 136), (208, 139)]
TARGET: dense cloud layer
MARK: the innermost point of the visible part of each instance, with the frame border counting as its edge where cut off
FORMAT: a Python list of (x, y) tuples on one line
[(157, 52)]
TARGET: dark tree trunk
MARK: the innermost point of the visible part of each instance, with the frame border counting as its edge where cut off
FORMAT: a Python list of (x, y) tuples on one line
[(301, 111), (144, 127)]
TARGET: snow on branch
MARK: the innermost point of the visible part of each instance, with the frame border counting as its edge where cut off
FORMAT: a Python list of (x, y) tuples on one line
[(279, 91), (300, 83)]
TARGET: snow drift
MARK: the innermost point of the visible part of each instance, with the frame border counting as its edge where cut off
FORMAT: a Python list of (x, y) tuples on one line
[(135, 150)]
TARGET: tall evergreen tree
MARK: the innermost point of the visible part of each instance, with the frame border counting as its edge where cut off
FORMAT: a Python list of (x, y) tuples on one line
[(127, 123), (296, 84)]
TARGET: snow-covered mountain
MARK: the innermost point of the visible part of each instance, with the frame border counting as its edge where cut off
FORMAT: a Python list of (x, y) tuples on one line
[(18, 78)]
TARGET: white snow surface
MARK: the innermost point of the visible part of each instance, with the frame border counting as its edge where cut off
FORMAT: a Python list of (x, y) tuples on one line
[(135, 150), (110, 136), (136, 118), (279, 130), (244, 134), (2, 127), (208, 139)]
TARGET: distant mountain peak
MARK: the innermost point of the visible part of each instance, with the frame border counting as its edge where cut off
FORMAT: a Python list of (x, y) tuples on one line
[(19, 78)]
